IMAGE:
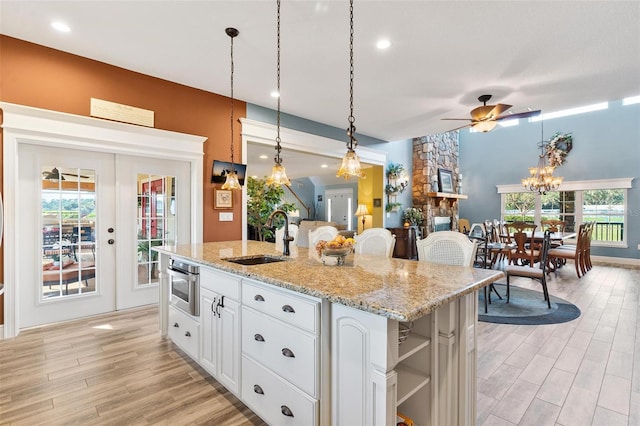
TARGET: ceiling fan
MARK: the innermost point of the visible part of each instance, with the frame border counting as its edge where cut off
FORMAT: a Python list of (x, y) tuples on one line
[(55, 174), (484, 118)]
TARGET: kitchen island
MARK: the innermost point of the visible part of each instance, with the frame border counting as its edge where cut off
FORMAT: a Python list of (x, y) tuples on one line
[(305, 343)]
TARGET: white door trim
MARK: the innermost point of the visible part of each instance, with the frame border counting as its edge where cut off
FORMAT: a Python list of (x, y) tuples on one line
[(23, 124)]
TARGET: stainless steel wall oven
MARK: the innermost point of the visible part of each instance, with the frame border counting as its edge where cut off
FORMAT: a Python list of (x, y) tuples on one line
[(184, 278)]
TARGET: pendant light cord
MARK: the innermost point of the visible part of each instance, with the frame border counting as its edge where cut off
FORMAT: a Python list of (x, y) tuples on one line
[(352, 128), (278, 148), (232, 69)]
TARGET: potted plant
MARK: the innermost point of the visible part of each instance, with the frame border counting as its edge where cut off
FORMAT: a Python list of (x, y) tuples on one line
[(413, 216), (263, 200), (392, 207), (394, 170)]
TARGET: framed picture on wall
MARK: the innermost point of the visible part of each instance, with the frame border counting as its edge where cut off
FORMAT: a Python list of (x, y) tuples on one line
[(222, 199), (445, 180)]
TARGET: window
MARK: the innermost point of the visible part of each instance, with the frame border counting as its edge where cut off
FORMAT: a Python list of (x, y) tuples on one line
[(602, 201)]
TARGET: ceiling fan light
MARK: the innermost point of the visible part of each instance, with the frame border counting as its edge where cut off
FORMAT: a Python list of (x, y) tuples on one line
[(484, 126), (278, 176), (232, 181), (350, 166), (54, 175)]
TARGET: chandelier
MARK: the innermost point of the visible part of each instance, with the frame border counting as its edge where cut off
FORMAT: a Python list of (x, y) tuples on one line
[(278, 173), (351, 162), (541, 178), (232, 181)]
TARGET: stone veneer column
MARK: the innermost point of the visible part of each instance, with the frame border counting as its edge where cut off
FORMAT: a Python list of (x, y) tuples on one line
[(430, 153)]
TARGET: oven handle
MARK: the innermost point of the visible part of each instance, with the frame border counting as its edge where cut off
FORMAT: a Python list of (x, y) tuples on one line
[(182, 275)]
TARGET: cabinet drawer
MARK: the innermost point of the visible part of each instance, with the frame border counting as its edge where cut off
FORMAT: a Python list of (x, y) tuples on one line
[(222, 283), (184, 331), (301, 311), (273, 398), (289, 352)]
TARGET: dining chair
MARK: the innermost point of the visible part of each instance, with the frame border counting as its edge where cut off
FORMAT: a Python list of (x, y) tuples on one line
[(539, 274), (526, 250), (447, 247), (554, 225), (376, 241), (576, 253), (293, 233), (326, 233)]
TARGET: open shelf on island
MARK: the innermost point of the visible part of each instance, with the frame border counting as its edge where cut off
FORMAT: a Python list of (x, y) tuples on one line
[(410, 381), (413, 344)]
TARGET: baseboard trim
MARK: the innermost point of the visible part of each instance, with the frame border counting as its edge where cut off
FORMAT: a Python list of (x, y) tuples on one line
[(1, 332), (616, 261)]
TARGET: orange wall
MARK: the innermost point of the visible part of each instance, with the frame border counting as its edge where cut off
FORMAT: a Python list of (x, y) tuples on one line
[(40, 77)]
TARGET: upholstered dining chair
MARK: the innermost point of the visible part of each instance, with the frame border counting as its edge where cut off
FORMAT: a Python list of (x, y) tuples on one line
[(377, 241), (539, 274), (525, 250)]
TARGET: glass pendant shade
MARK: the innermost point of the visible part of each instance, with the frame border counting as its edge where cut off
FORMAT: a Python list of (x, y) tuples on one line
[(232, 181), (484, 126), (350, 166), (278, 176), (541, 178)]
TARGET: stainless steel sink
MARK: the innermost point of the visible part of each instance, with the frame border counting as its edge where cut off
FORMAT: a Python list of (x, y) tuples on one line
[(260, 259)]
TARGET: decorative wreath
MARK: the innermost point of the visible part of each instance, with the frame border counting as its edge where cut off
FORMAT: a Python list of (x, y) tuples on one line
[(558, 148)]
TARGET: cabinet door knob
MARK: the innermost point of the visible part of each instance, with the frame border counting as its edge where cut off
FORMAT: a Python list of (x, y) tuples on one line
[(258, 298), (176, 325), (288, 308), (288, 353), (258, 389), (286, 411), (258, 337), (188, 334)]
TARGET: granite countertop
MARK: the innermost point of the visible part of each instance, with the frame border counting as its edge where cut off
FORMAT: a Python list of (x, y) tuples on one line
[(399, 289)]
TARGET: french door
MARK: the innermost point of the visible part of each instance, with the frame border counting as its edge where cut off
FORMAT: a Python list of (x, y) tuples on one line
[(86, 230)]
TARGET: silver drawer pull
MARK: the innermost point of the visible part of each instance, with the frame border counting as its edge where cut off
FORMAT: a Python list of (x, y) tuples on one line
[(288, 353), (258, 298), (258, 337), (258, 389), (188, 334), (176, 325), (286, 411), (288, 308)]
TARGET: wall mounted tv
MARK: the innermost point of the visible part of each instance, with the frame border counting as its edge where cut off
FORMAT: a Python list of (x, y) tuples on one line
[(221, 168)]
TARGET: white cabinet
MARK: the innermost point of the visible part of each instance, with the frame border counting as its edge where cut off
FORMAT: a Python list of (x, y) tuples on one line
[(184, 331), (280, 354), (220, 318)]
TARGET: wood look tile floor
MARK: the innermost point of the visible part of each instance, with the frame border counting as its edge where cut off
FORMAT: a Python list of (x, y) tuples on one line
[(584, 372), (110, 369), (115, 369)]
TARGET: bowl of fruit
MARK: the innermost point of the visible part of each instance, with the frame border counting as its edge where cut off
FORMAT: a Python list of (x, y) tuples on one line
[(338, 248)]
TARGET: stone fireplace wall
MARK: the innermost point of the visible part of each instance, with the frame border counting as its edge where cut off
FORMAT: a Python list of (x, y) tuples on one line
[(430, 153)]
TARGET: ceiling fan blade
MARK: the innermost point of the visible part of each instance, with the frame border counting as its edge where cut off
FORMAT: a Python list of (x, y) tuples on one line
[(461, 127), (499, 109), (482, 113), (463, 119), (520, 115)]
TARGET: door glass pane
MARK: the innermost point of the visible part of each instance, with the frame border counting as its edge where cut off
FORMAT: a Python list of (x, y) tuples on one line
[(156, 223), (68, 212)]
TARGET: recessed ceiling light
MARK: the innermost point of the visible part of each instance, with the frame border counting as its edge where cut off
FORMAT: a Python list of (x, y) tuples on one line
[(324, 166), (383, 44), (264, 157), (275, 94), (60, 26)]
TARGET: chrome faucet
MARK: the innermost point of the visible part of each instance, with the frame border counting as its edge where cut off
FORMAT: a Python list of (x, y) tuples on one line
[(286, 239)]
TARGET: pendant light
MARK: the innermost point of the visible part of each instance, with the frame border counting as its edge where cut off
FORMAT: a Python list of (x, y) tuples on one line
[(232, 176), (278, 173), (541, 179), (351, 162)]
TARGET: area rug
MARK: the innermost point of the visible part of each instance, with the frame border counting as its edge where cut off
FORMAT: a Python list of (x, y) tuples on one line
[(525, 307)]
